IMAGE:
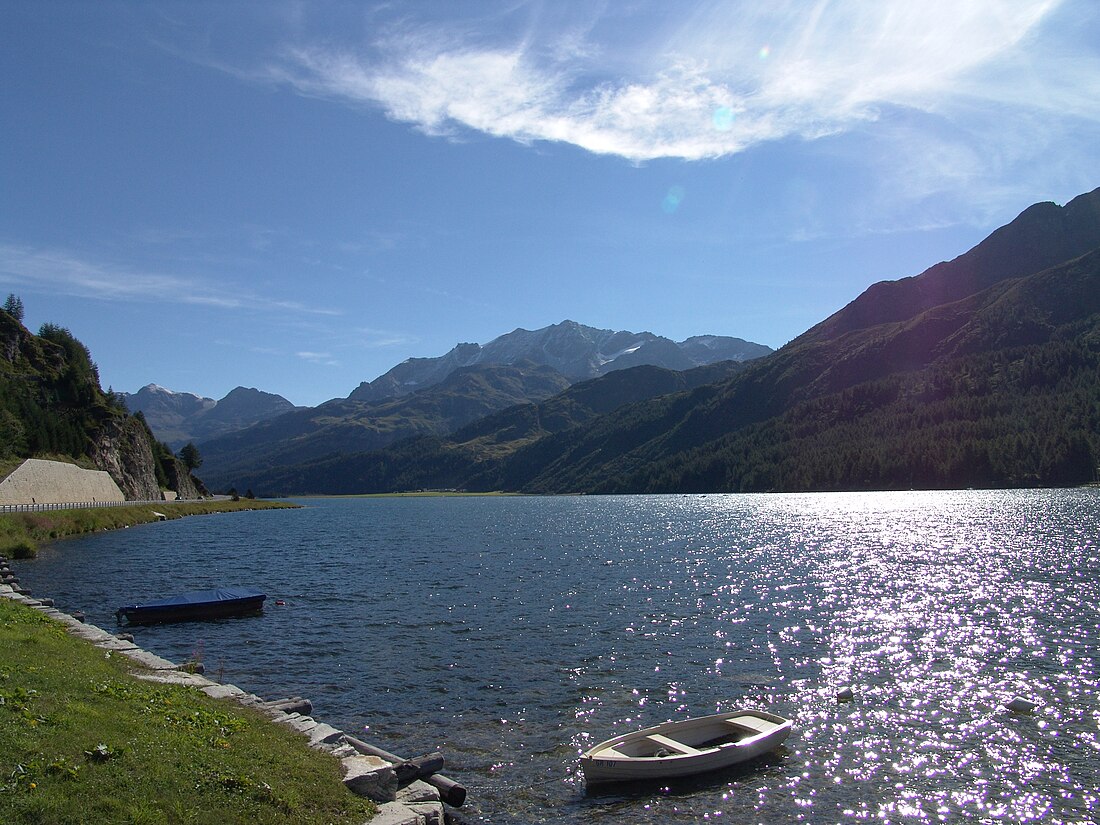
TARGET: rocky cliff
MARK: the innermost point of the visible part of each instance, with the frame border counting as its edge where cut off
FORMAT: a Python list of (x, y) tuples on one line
[(52, 406), (123, 450)]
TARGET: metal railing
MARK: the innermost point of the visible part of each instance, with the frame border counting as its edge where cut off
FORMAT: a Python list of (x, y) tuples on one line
[(76, 505)]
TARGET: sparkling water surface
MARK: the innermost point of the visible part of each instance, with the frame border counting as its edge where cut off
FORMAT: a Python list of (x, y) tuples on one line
[(514, 633)]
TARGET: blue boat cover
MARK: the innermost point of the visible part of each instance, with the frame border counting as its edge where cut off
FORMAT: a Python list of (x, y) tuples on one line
[(221, 594)]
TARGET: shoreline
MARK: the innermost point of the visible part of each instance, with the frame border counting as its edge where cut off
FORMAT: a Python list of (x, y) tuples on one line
[(366, 774), (22, 532)]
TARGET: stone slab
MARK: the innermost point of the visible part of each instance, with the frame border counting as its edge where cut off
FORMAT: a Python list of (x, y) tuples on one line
[(90, 632), (115, 643), (172, 677), (149, 660), (370, 776), (324, 734), (302, 724), (223, 691), (430, 813), (394, 813), (418, 791)]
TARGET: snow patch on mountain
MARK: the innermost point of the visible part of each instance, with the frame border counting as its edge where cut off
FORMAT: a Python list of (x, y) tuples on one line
[(576, 351)]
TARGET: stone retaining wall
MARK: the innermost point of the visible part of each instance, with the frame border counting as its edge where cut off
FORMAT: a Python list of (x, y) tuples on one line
[(53, 482)]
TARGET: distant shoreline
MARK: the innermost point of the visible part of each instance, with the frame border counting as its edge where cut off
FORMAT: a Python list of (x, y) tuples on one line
[(21, 533), (418, 494)]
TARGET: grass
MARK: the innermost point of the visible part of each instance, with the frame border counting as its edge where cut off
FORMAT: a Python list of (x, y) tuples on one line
[(20, 533), (89, 742)]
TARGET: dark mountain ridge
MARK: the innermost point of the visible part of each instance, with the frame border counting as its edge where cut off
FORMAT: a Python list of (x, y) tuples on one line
[(445, 461), (1041, 236), (348, 426), (982, 371), (434, 396)]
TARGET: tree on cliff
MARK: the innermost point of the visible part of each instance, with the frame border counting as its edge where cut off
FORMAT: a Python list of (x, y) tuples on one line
[(189, 455), (14, 307)]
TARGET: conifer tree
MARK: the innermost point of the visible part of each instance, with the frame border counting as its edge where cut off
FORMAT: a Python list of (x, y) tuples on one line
[(14, 307)]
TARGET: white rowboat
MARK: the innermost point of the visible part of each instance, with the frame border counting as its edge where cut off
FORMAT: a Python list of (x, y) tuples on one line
[(684, 748)]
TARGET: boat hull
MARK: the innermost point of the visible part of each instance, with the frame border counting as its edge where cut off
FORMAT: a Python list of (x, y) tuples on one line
[(685, 748), (194, 606)]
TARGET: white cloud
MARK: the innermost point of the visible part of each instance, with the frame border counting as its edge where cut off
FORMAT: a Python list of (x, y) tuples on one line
[(369, 338), (62, 272), (321, 358), (712, 81)]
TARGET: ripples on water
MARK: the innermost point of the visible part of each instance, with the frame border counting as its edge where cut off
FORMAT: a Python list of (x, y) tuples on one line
[(513, 633)]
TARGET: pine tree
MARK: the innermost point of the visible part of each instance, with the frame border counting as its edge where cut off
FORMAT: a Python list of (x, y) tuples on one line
[(14, 307)]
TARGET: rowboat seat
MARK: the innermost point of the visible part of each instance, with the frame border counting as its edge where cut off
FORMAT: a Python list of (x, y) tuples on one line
[(672, 745), (751, 724)]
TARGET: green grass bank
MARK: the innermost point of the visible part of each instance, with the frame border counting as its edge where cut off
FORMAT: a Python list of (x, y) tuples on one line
[(21, 533), (83, 740)]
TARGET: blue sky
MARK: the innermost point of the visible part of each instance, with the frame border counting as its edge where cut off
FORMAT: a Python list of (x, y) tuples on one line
[(297, 196)]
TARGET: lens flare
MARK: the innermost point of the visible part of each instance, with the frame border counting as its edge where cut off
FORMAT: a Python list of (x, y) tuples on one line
[(673, 199), (723, 118), (765, 52)]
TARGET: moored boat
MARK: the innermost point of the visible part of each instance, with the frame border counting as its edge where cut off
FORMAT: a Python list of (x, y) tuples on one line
[(221, 603), (686, 747)]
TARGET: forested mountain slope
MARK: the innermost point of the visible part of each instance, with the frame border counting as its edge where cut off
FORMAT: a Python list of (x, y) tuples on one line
[(343, 426), (981, 371), (52, 406)]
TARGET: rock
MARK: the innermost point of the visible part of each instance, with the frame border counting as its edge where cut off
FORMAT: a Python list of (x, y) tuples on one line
[(370, 776), (418, 791), (149, 660), (324, 734), (222, 691), (394, 813), (1018, 704), (430, 813), (845, 694), (122, 449)]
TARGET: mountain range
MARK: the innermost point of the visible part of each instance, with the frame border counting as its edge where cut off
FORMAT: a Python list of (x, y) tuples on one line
[(435, 396), (179, 417), (576, 351), (980, 371), (572, 350)]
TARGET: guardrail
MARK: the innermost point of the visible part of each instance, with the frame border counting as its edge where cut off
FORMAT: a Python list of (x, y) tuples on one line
[(76, 505)]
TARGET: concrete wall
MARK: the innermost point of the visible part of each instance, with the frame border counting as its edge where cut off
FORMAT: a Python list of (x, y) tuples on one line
[(54, 482)]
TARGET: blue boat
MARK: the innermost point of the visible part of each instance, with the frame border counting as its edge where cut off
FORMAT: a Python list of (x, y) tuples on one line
[(197, 604)]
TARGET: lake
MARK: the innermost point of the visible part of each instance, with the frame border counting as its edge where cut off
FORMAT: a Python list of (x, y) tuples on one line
[(512, 633)]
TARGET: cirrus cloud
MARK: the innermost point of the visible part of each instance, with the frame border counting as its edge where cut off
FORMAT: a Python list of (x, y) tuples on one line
[(714, 81)]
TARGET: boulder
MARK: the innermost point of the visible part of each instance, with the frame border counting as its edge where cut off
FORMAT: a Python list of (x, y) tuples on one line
[(370, 776)]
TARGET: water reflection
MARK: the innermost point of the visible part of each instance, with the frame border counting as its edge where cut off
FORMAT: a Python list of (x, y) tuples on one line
[(515, 633)]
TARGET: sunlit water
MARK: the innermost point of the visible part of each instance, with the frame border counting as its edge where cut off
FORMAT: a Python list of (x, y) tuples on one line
[(513, 633)]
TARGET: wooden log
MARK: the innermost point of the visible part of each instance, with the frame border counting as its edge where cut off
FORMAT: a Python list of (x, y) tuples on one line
[(449, 791), (419, 767)]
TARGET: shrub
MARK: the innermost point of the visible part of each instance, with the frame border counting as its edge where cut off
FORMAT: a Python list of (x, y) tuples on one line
[(21, 549)]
